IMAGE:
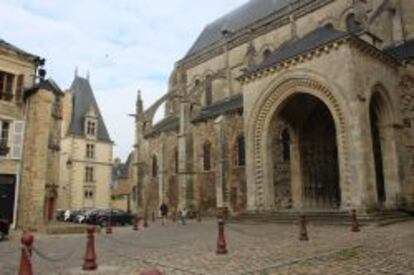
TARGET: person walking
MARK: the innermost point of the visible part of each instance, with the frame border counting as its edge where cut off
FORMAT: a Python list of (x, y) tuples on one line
[(183, 215), (164, 212)]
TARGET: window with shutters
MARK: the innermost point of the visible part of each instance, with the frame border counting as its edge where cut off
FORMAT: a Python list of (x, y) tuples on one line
[(4, 138), (17, 139), (6, 86)]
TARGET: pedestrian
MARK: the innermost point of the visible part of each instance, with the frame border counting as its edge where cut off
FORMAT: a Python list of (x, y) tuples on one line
[(66, 215), (183, 215), (164, 212)]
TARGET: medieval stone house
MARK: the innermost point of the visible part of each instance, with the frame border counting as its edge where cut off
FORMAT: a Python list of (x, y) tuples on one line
[(86, 155), (287, 104), (30, 119)]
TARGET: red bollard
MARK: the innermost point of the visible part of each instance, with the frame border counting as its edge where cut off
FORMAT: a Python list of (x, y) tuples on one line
[(199, 215), (303, 231), (145, 220), (136, 223), (89, 262), (151, 272), (26, 258), (355, 225), (109, 227), (221, 240)]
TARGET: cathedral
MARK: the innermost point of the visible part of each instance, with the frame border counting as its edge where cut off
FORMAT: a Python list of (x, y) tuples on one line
[(286, 105)]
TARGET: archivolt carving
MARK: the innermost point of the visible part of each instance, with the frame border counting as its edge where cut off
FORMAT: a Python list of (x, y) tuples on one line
[(266, 110)]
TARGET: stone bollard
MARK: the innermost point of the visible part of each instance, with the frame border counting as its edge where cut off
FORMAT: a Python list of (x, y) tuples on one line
[(109, 227), (89, 262), (153, 216), (303, 231), (151, 272), (354, 220), (26, 257), (221, 240), (136, 223)]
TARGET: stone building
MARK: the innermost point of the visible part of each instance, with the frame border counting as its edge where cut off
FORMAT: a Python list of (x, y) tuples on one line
[(86, 155), (122, 188), (30, 121), (287, 104)]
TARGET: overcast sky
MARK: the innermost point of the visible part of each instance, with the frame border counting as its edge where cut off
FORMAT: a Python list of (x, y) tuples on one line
[(126, 45)]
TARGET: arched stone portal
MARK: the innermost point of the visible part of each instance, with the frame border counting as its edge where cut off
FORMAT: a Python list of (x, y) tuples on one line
[(279, 107), (304, 154)]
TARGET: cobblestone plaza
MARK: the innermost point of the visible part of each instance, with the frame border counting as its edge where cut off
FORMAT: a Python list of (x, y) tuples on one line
[(253, 249)]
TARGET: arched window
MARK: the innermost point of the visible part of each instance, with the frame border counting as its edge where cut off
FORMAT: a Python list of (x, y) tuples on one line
[(266, 54), (241, 157), (352, 25), (285, 145), (209, 91), (176, 160), (207, 156), (154, 166)]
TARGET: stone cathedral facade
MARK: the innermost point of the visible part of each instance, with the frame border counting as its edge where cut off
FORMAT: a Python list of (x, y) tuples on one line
[(287, 105)]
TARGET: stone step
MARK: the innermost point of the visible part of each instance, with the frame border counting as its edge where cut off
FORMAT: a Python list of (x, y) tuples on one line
[(323, 217)]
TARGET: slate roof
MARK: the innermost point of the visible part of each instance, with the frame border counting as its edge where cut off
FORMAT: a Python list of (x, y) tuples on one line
[(315, 39), (83, 99), (171, 123), (402, 52), (232, 104), (238, 19), (6, 45)]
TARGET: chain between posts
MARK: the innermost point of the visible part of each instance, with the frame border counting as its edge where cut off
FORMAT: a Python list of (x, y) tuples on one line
[(63, 258)]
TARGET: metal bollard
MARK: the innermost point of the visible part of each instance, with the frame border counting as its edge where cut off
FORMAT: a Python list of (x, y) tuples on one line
[(151, 272), (354, 220), (221, 240), (303, 231), (26, 257), (89, 262)]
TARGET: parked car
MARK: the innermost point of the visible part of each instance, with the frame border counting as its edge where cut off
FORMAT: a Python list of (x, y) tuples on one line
[(4, 228), (115, 216), (60, 215)]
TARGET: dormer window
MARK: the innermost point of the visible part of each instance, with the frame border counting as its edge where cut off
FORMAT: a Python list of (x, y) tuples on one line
[(91, 123), (91, 128)]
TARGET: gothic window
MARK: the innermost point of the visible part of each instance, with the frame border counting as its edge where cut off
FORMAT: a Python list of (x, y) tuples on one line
[(89, 177), (241, 157), (176, 160), (154, 166), (209, 90), (90, 151), (207, 156), (285, 138), (352, 25), (6, 86), (266, 54)]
